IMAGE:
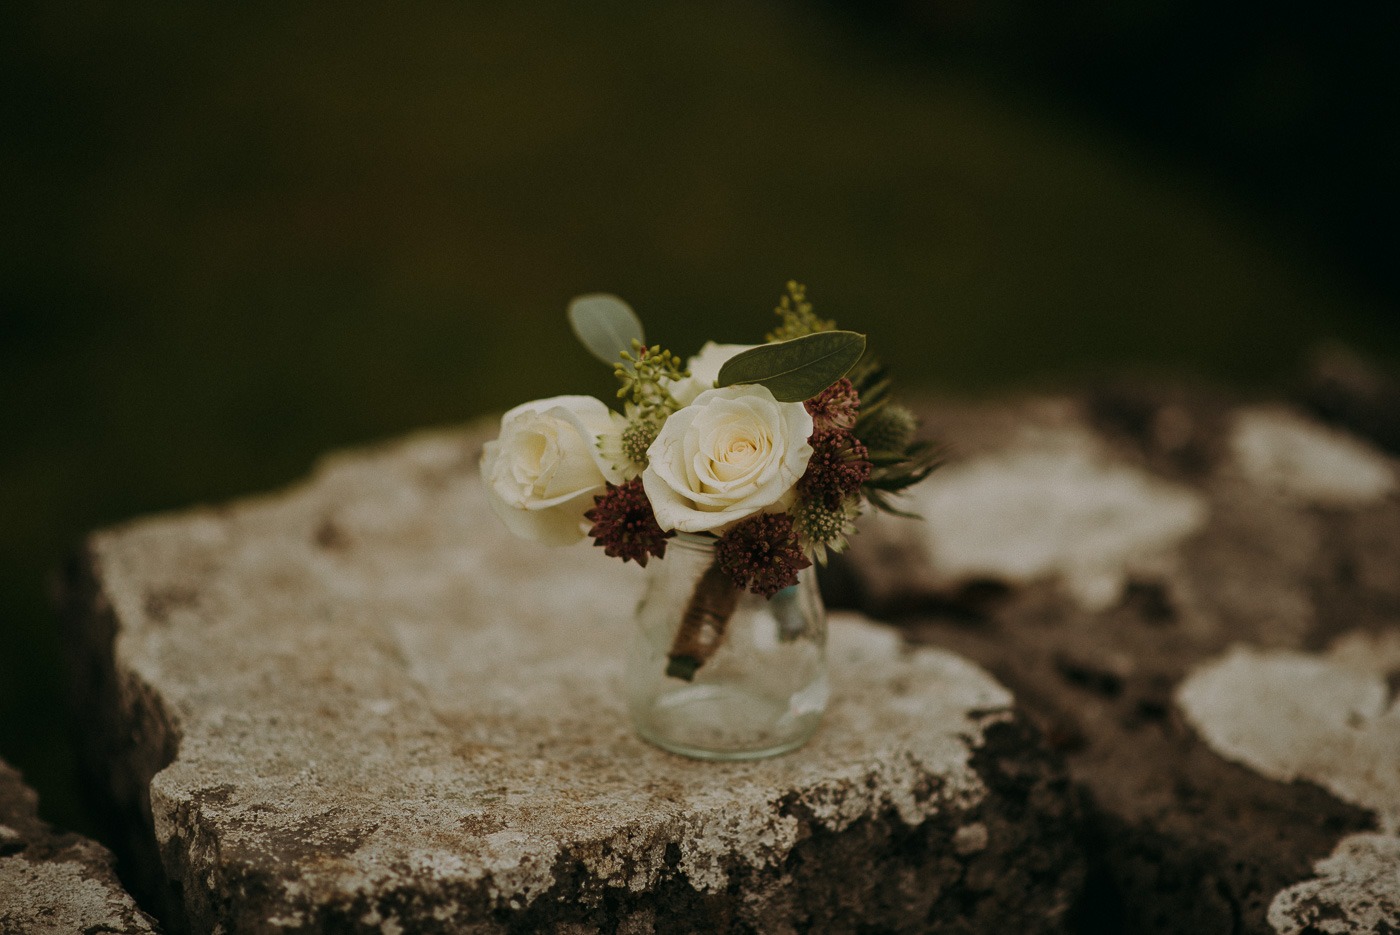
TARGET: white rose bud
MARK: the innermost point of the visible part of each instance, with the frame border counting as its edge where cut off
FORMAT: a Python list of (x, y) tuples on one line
[(731, 453), (543, 471), (704, 370)]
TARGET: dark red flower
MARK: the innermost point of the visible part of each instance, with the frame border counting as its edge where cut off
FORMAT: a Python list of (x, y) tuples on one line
[(762, 554), (836, 407), (624, 525), (838, 467)]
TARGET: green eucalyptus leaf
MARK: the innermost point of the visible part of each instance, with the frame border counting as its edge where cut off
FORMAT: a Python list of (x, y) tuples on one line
[(605, 325), (798, 369)]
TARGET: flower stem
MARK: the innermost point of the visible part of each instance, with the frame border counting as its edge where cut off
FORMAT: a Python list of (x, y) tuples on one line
[(702, 627)]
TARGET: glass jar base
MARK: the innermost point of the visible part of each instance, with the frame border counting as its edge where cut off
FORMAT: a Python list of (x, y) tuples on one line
[(710, 722), (707, 753)]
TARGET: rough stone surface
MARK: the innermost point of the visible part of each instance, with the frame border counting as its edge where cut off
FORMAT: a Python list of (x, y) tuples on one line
[(1280, 449), (362, 706), (1247, 547), (56, 884), (1291, 715), (1357, 890), (1328, 719), (1081, 519), (1348, 391)]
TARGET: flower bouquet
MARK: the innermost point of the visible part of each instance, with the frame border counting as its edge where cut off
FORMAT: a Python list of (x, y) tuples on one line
[(757, 459)]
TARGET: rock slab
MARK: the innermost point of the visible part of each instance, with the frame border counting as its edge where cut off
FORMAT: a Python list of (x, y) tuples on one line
[(1327, 719), (1197, 598), (56, 884), (361, 706)]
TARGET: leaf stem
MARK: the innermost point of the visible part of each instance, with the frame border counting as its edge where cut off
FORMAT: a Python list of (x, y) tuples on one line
[(702, 626)]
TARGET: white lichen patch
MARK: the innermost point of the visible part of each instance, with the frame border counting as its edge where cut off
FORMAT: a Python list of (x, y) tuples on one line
[(1357, 890), (1327, 719), (1053, 509), (719, 832), (62, 897), (1284, 451), (1291, 715)]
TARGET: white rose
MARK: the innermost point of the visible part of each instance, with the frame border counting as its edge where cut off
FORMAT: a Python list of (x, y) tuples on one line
[(731, 453), (704, 370), (545, 468)]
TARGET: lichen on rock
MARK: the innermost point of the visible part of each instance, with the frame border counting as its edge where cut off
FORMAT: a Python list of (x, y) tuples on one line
[(1050, 506), (1328, 719), (52, 883)]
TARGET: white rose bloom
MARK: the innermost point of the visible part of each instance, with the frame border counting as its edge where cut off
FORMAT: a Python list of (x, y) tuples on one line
[(704, 370), (731, 453), (543, 471)]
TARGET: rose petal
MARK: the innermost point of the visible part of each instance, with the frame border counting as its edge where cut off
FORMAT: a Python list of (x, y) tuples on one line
[(561, 526), (733, 452), (542, 472)]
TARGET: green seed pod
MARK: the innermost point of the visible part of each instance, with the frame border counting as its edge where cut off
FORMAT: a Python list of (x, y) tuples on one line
[(890, 429)]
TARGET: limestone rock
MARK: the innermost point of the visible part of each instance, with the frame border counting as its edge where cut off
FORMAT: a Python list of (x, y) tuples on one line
[(361, 705), (56, 884), (1154, 571), (1075, 517), (1280, 449), (1358, 890), (1291, 715), (1329, 720)]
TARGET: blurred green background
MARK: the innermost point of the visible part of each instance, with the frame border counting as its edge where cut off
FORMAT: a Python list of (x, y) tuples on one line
[(238, 235)]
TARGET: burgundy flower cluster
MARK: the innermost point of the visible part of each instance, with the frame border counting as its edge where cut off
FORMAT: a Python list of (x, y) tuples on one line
[(624, 525), (762, 554), (839, 462), (836, 407), (838, 467)]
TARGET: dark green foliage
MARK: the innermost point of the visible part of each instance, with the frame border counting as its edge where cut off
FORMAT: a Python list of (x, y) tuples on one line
[(796, 370)]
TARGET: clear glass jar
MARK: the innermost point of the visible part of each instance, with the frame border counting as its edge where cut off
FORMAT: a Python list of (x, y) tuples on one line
[(761, 686)]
